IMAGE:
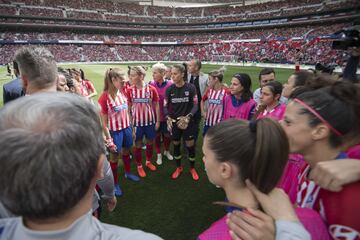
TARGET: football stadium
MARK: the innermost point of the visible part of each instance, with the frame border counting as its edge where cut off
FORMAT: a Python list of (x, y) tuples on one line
[(208, 119)]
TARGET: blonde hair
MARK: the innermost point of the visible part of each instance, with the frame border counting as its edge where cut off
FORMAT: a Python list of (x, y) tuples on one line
[(109, 75), (159, 66)]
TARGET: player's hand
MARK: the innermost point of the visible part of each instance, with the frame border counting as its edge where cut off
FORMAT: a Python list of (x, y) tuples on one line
[(333, 175), (111, 204), (110, 144), (183, 122), (203, 114), (251, 225), (169, 123), (276, 203)]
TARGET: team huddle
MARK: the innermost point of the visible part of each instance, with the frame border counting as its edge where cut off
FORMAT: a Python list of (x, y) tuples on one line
[(286, 156)]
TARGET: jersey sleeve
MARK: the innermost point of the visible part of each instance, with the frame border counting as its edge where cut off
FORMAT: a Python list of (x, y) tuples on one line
[(206, 95), (127, 93), (90, 85), (103, 103), (227, 91), (155, 94), (342, 211)]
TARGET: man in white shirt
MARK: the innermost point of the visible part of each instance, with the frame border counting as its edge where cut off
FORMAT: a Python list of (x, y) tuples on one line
[(266, 75)]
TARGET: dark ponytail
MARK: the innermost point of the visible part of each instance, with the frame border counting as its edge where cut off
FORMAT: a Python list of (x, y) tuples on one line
[(250, 146), (183, 69)]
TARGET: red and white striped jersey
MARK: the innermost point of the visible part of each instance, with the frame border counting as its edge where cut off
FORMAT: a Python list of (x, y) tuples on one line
[(308, 191), (142, 106), (215, 109), (116, 110), (339, 210)]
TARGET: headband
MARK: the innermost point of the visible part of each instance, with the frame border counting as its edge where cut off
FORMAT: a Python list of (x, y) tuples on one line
[(313, 111)]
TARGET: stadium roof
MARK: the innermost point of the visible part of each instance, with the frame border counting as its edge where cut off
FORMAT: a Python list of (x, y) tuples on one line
[(196, 3)]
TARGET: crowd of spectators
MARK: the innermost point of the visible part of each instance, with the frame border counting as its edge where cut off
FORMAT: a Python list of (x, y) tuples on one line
[(271, 51), (263, 34), (132, 12), (83, 15)]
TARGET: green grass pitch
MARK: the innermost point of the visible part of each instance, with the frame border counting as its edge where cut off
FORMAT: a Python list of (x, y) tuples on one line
[(176, 210)]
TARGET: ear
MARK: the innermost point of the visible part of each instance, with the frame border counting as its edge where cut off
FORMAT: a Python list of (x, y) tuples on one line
[(226, 170), (320, 132), (100, 167), (277, 96)]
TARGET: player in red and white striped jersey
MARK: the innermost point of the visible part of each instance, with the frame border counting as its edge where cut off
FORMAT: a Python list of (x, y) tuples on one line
[(116, 122), (214, 96), (144, 101), (315, 130)]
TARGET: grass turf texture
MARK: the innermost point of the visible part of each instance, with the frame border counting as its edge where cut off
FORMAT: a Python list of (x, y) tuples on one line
[(176, 210)]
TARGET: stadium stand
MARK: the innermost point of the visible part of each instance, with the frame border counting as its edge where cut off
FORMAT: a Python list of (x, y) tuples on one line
[(282, 31)]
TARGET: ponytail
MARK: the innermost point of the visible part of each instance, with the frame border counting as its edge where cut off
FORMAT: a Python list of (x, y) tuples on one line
[(109, 75), (268, 156), (250, 146)]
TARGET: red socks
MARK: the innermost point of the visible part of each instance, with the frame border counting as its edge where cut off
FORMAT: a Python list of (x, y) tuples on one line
[(149, 152), (114, 169), (137, 153), (126, 160), (157, 143)]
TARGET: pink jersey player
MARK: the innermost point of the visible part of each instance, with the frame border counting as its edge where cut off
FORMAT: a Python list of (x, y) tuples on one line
[(269, 101), (161, 85), (239, 104)]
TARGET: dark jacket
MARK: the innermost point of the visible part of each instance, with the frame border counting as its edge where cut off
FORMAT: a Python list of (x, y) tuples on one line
[(12, 90)]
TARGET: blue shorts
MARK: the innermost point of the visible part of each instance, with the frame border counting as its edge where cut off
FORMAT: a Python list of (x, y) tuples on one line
[(122, 138), (163, 128), (148, 131)]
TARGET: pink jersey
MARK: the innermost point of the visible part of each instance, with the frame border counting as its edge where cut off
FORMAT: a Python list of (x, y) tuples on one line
[(311, 220), (142, 105), (217, 231), (290, 178), (116, 110), (277, 113), (161, 90), (215, 109), (242, 111), (354, 152)]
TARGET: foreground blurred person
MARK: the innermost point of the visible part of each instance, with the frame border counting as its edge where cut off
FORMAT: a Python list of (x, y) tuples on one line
[(49, 173)]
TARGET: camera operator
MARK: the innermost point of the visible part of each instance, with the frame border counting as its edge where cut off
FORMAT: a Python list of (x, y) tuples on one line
[(347, 38), (351, 66)]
